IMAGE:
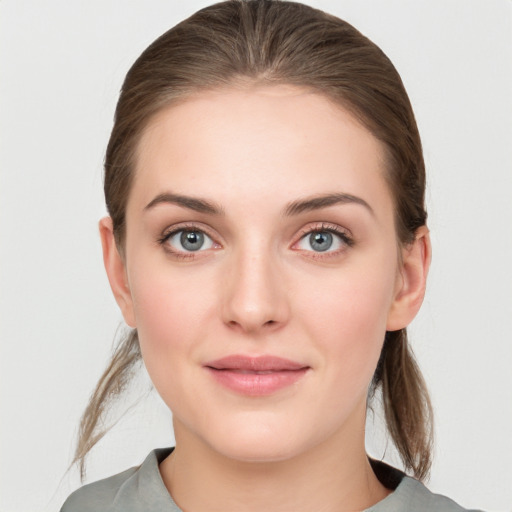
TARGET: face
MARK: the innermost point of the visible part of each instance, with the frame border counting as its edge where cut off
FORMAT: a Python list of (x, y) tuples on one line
[(261, 269)]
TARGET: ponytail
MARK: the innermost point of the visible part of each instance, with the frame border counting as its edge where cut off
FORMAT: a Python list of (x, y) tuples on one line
[(406, 403), (113, 382)]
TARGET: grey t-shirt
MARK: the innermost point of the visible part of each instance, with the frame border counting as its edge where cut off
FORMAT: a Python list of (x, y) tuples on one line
[(141, 489)]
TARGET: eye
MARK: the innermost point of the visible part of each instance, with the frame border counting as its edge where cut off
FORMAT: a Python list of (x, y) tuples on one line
[(189, 240), (323, 240)]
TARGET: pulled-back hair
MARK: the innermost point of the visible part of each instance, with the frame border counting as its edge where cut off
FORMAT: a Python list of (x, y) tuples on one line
[(278, 42)]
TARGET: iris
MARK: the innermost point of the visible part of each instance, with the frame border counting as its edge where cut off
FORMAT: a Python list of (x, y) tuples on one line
[(320, 241)]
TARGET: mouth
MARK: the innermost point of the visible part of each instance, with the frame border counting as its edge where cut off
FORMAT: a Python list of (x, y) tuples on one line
[(256, 376)]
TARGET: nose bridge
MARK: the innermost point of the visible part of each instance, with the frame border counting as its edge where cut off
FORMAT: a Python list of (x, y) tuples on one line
[(254, 294)]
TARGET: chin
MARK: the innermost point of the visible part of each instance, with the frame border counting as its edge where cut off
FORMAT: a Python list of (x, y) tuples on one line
[(257, 452), (259, 444)]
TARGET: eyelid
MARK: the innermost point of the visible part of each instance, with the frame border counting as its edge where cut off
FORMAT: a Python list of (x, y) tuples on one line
[(170, 231), (185, 226), (324, 226), (342, 233)]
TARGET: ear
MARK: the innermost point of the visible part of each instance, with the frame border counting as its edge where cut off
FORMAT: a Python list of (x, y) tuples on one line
[(116, 271), (411, 281)]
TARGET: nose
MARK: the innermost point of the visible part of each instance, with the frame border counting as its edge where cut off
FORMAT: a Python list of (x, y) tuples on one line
[(254, 296)]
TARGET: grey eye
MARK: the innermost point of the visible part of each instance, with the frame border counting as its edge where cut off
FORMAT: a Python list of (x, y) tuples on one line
[(190, 241), (320, 241)]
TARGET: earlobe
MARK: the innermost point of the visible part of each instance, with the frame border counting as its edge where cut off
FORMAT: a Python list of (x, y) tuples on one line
[(411, 282), (116, 271)]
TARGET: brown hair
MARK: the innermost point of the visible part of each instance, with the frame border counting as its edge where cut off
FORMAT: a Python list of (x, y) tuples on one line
[(278, 42)]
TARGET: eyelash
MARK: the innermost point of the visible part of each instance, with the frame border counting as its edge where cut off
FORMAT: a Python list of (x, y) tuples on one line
[(168, 234), (333, 229)]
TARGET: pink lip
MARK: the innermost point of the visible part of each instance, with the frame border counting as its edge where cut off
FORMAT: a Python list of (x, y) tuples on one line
[(255, 376)]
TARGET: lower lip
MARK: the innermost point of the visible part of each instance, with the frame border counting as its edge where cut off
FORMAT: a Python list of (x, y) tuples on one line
[(257, 384)]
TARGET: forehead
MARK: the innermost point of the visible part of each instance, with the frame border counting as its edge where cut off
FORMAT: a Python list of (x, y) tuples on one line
[(258, 141)]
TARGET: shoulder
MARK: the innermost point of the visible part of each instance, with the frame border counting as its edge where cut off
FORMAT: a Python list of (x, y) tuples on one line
[(136, 489), (419, 498), (409, 494), (97, 496)]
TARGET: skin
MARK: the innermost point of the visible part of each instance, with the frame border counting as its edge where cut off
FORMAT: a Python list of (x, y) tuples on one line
[(260, 288)]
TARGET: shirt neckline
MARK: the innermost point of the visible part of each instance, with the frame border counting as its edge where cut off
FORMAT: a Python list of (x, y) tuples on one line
[(153, 489)]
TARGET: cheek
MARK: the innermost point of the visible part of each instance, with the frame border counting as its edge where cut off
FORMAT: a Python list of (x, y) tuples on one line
[(170, 311), (347, 316)]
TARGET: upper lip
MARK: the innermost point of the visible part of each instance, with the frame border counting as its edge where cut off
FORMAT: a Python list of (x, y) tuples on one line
[(264, 363)]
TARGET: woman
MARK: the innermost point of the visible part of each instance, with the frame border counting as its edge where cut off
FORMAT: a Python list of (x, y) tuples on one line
[(267, 243)]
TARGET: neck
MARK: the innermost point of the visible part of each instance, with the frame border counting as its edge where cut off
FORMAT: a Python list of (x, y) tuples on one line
[(327, 478)]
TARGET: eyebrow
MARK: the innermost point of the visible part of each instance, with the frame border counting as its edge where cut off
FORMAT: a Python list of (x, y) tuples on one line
[(294, 208), (192, 203), (324, 201)]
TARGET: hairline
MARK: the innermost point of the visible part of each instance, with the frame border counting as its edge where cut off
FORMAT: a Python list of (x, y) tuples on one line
[(248, 83)]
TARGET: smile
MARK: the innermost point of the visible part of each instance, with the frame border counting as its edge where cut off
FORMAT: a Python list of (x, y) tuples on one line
[(255, 376)]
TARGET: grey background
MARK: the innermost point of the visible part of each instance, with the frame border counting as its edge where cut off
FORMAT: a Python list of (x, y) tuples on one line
[(61, 66)]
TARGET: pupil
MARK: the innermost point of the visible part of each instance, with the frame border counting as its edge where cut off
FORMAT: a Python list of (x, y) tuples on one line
[(321, 241), (192, 240)]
